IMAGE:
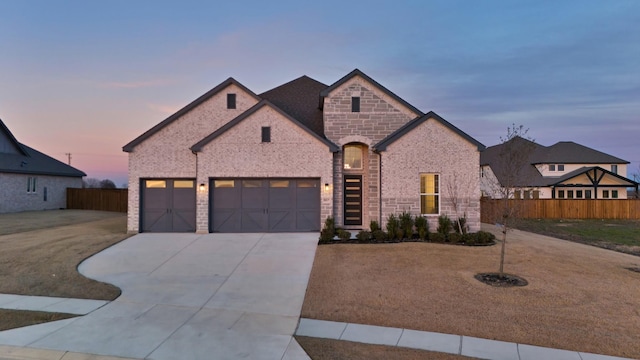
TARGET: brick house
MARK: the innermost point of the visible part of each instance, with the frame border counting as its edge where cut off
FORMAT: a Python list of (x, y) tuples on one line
[(286, 159), (31, 180)]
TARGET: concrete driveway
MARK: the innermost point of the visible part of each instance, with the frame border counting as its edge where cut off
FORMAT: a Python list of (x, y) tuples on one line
[(189, 296)]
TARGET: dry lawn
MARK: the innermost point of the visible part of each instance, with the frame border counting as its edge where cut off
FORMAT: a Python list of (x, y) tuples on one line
[(579, 297), (41, 256), (327, 349)]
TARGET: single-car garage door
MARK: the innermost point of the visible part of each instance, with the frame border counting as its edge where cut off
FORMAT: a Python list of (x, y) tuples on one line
[(264, 205), (168, 205)]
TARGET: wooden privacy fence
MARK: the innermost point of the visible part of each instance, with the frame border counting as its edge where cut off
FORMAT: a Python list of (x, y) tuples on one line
[(97, 199), (628, 209)]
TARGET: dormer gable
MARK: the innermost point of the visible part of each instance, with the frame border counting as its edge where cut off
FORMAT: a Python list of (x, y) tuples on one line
[(8, 143)]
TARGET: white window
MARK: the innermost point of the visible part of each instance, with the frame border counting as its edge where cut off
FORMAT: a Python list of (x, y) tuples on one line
[(429, 194), (352, 157), (31, 184), (614, 169)]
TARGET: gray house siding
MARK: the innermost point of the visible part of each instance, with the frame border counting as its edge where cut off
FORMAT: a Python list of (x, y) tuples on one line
[(16, 198)]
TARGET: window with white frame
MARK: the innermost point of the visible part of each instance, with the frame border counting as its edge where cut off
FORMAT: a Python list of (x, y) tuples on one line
[(614, 169), (429, 194), (31, 184)]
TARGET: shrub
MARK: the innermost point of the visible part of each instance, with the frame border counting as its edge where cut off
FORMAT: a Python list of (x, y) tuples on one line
[(461, 222), (379, 235), (454, 238), (484, 237), (437, 237), (422, 225), (399, 235), (444, 224), (393, 224), (363, 236), (328, 231), (374, 225), (406, 224), (344, 235), (469, 239)]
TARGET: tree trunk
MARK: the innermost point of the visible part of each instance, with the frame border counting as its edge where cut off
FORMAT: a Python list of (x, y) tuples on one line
[(504, 243)]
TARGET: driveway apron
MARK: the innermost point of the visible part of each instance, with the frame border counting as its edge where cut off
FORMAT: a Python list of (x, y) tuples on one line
[(190, 296)]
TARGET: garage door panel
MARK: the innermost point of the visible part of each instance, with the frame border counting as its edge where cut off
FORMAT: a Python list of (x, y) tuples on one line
[(253, 220), (168, 205), (226, 220), (308, 220), (281, 220), (156, 220)]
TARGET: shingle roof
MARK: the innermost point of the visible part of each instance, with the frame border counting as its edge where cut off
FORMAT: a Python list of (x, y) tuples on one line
[(129, 147), (199, 145), (31, 161), (299, 99), (565, 152), (382, 145)]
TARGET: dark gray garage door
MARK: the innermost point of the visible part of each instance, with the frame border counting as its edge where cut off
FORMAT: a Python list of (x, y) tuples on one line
[(264, 205), (168, 205)]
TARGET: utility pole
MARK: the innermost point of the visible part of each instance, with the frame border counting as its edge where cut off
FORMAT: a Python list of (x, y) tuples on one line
[(69, 158)]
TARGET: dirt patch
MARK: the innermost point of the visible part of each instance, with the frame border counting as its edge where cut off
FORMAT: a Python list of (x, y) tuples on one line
[(579, 297), (17, 318), (501, 279), (321, 349), (13, 223)]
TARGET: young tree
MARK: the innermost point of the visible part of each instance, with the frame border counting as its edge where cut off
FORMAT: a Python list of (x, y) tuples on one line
[(514, 154), (459, 188)]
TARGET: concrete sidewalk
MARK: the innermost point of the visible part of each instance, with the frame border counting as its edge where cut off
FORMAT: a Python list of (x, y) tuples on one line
[(225, 296), (446, 343)]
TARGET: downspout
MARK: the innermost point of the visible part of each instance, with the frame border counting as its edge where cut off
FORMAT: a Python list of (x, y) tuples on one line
[(379, 188)]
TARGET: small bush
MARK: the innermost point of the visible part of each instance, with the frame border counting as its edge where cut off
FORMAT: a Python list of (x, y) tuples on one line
[(379, 235), (422, 226), (374, 225), (461, 222), (444, 225), (437, 237), (393, 224), (454, 238), (328, 230), (469, 239), (344, 235), (399, 235), (406, 224), (484, 237), (363, 236)]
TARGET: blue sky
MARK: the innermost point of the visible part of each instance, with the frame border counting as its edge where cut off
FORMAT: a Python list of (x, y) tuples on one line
[(86, 77)]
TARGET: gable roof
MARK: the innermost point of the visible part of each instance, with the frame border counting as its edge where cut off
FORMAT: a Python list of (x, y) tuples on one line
[(31, 161), (382, 145), (199, 145), (572, 153), (299, 99), (129, 147), (7, 133), (357, 72), (529, 176)]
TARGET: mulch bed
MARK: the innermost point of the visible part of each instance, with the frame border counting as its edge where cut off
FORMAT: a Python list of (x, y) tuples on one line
[(501, 279)]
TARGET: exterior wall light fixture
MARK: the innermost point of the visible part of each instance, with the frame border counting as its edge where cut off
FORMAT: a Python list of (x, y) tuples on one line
[(326, 186), (202, 187)]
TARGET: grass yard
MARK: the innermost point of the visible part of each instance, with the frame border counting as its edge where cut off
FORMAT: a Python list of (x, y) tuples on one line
[(41, 251), (619, 235), (579, 297)]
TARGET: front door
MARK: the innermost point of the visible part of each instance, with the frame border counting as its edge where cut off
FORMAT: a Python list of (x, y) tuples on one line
[(353, 199)]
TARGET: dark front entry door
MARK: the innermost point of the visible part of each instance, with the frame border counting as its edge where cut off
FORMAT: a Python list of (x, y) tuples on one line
[(264, 205), (168, 205), (353, 199)]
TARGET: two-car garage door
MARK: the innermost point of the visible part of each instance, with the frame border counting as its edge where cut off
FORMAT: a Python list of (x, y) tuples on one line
[(264, 205), (235, 205)]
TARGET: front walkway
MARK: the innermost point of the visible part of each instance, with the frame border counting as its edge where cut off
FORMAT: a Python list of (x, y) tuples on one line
[(188, 296)]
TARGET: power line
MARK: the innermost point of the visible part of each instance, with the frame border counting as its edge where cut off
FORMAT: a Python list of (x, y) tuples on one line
[(69, 158)]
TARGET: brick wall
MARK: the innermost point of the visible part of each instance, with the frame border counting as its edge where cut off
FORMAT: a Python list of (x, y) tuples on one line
[(431, 148), (167, 154), (239, 152), (379, 116), (14, 196)]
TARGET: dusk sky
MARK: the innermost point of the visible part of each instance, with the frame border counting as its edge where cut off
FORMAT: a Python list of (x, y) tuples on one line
[(87, 77)]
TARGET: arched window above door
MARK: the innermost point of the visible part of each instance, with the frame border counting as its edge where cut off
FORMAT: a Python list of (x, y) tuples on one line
[(352, 157)]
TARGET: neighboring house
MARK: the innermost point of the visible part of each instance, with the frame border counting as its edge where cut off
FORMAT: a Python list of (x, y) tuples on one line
[(31, 180), (286, 159), (565, 170)]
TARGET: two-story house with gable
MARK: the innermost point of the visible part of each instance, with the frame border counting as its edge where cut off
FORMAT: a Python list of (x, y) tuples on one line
[(565, 170), (286, 159)]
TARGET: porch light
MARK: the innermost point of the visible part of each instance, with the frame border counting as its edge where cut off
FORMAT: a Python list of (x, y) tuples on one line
[(202, 187), (326, 186)]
